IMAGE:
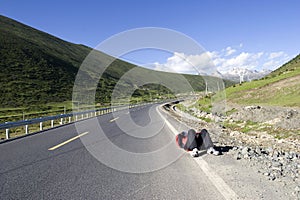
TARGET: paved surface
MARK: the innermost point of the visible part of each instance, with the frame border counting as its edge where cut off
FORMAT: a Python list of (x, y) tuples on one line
[(29, 170)]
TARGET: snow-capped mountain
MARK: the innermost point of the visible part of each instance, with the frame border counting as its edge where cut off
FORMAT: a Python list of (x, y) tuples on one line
[(242, 75)]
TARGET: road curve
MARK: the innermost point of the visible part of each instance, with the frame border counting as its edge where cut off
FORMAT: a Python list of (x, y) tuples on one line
[(56, 165)]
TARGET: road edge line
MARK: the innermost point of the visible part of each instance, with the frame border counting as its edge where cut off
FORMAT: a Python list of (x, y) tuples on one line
[(217, 181)]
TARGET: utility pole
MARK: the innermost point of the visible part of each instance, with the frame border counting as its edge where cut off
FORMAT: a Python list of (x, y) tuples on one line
[(206, 88)]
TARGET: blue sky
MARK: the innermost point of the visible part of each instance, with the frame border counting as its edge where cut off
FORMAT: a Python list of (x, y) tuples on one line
[(251, 34)]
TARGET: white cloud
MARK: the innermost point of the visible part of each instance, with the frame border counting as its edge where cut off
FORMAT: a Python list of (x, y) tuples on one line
[(276, 59), (188, 64), (229, 51), (276, 54), (225, 60), (242, 60)]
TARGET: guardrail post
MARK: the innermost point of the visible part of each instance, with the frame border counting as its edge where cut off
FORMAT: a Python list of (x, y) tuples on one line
[(95, 113), (7, 133), (81, 116), (76, 117), (61, 121), (26, 129), (69, 119), (87, 115), (41, 126), (52, 123)]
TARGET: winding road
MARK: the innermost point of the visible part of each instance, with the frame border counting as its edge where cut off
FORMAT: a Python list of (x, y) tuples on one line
[(56, 165)]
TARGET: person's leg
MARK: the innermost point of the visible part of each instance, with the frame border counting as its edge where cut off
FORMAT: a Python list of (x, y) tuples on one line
[(207, 142), (191, 142)]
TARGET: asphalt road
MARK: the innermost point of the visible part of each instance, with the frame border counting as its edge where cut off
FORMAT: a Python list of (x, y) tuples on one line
[(29, 170)]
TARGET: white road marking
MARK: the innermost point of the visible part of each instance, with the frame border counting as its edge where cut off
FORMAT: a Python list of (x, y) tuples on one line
[(66, 142), (218, 182), (112, 120)]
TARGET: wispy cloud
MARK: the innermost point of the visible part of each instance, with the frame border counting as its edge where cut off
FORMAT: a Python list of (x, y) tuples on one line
[(276, 59), (229, 51)]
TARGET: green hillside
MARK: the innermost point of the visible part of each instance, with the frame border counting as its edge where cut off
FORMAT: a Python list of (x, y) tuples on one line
[(35, 67), (38, 70), (281, 87)]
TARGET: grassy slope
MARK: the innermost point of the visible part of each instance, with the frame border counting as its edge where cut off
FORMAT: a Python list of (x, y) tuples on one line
[(35, 67), (281, 87)]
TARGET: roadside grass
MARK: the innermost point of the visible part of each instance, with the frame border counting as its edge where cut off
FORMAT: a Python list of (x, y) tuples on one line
[(262, 92), (181, 107), (16, 114), (247, 127), (208, 120), (232, 90), (242, 126), (204, 104), (229, 112)]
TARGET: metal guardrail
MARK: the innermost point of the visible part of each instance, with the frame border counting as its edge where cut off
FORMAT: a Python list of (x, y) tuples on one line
[(72, 117)]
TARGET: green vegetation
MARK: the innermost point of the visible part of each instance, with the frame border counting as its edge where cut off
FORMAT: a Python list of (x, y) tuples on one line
[(244, 127), (204, 104), (280, 88), (181, 107), (233, 110)]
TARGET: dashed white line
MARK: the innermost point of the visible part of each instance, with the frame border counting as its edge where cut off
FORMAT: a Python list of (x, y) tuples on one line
[(114, 119), (66, 142)]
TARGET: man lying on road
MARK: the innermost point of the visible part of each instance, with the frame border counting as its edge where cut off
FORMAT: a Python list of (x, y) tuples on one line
[(193, 142)]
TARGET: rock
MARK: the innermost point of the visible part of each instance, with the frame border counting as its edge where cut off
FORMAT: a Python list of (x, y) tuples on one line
[(272, 177), (249, 108), (258, 150), (291, 113), (234, 133), (235, 148), (275, 154), (246, 156), (277, 169), (245, 151), (238, 156), (269, 150), (267, 174)]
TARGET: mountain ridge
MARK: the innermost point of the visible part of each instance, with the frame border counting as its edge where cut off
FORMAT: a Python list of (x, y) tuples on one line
[(242, 74)]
